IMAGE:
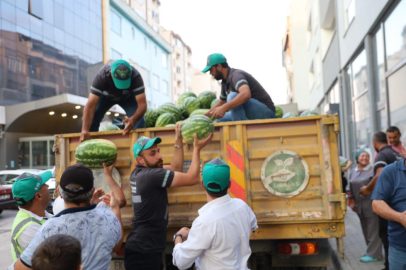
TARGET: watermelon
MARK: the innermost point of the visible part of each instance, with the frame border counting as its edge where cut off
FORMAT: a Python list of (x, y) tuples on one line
[(150, 117), (199, 112), (170, 108), (289, 115), (185, 95), (343, 164), (93, 153), (190, 104), (278, 112), (171, 125), (200, 124), (308, 113), (165, 119), (183, 112), (214, 102), (110, 128), (206, 98)]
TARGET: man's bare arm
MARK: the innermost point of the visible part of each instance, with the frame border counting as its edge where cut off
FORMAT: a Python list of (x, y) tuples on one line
[(177, 160), (382, 209), (88, 114), (142, 108)]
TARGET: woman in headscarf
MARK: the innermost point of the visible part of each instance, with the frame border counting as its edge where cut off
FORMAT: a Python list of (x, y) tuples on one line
[(360, 176)]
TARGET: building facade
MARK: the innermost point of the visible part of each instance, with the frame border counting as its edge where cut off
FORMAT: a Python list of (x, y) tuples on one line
[(180, 64), (363, 68), (50, 51)]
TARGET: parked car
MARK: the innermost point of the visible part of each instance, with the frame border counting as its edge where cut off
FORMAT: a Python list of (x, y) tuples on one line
[(6, 198), (8, 177)]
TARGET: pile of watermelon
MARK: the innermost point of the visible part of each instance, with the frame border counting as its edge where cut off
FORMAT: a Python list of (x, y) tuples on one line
[(188, 105)]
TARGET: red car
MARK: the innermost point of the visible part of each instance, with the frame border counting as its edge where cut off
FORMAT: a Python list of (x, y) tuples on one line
[(6, 198)]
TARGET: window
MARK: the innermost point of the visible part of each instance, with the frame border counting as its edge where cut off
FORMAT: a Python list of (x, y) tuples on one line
[(360, 98), (178, 70), (115, 55), (164, 61), (380, 95), (165, 87), (397, 102), (36, 152), (115, 22), (155, 82), (179, 43), (349, 6), (395, 36), (36, 9)]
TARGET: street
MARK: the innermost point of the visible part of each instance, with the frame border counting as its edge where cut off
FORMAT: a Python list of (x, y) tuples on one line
[(6, 221)]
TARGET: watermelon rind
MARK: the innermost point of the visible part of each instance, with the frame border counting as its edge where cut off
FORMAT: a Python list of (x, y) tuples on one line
[(214, 102), (170, 108), (190, 104), (200, 124), (278, 112), (150, 117), (165, 119), (111, 127), (171, 125), (93, 153), (289, 115), (308, 113), (206, 98), (185, 95)]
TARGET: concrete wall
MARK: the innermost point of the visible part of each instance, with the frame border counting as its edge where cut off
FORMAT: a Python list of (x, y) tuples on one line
[(366, 13), (297, 35), (331, 64)]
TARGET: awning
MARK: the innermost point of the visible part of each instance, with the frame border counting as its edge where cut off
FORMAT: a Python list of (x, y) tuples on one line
[(35, 117)]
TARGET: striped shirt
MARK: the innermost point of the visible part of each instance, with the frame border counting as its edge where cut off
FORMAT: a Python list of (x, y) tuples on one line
[(237, 78)]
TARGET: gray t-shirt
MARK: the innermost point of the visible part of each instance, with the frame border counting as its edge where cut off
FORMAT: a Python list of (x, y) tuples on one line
[(97, 229)]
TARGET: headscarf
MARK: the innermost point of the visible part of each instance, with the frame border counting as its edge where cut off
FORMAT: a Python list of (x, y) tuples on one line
[(359, 153)]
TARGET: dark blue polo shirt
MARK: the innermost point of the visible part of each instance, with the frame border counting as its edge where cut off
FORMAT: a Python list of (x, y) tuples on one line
[(391, 188)]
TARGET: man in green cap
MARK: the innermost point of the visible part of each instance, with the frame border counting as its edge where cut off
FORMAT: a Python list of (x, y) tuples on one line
[(220, 235), (149, 181), (242, 97), (115, 83), (32, 196)]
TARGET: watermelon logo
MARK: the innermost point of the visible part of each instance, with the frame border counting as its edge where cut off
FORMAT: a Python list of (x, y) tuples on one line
[(121, 73), (285, 173)]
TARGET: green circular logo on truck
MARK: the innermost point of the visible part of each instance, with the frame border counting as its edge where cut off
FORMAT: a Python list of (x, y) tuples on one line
[(285, 173)]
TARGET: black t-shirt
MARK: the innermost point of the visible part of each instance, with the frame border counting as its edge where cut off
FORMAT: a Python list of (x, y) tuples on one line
[(385, 157), (150, 206), (237, 78), (103, 85)]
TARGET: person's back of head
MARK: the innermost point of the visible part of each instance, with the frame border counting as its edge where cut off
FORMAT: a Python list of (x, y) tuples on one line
[(380, 138), (216, 178), (76, 184), (62, 252)]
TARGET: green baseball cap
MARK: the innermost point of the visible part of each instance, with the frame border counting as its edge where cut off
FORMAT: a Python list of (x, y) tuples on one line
[(27, 185), (214, 59), (144, 143), (121, 72), (216, 175)]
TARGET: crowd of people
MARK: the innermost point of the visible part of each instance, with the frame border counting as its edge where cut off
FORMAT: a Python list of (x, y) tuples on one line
[(377, 195), (87, 228)]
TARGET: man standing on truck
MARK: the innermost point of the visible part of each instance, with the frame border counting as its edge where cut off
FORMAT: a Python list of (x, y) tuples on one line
[(389, 202), (242, 97), (220, 235), (386, 155), (149, 180), (115, 83)]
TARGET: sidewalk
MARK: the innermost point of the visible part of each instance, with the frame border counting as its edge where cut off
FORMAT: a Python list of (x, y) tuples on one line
[(354, 246)]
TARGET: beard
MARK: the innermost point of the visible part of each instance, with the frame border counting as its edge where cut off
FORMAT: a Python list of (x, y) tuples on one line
[(158, 164), (218, 76)]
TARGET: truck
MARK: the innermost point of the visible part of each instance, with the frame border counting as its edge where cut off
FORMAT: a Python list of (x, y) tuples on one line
[(286, 170)]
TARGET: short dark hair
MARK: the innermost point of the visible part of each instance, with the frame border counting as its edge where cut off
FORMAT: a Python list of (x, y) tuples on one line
[(60, 251), (74, 198), (380, 137), (392, 129), (25, 205), (216, 194), (224, 65)]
